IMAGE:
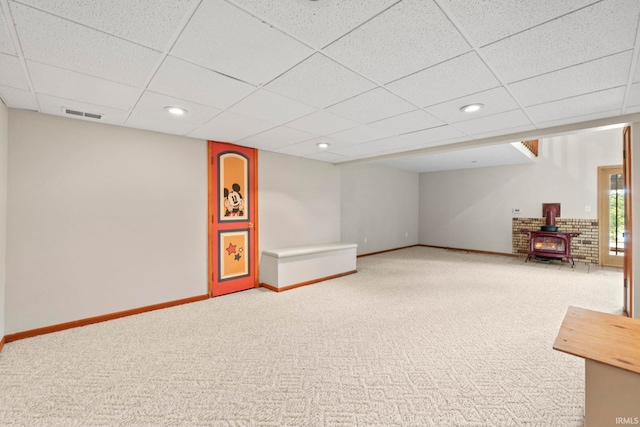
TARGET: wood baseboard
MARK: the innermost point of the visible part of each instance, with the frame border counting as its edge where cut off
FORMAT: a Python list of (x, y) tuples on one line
[(387, 250), (475, 251), (103, 318), (2, 341), (310, 282)]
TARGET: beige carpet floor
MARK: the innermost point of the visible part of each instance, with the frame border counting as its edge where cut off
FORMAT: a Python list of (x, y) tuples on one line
[(419, 337)]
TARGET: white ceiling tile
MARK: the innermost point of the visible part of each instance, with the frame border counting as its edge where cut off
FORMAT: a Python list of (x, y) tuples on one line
[(271, 107), (410, 36), (276, 138), (452, 79), (500, 123), (578, 119), (310, 147), (369, 148), (54, 105), (11, 73), (371, 106), (17, 98), (634, 95), (150, 23), (230, 127), (317, 24), (636, 77), (327, 157), (494, 100), (610, 99), (6, 45), (592, 76), (360, 134), (320, 82), (149, 113), (602, 29), (67, 84), (407, 122), (498, 132), (432, 136), (322, 123), (226, 39), (65, 44), (633, 109), (488, 21), (194, 83)]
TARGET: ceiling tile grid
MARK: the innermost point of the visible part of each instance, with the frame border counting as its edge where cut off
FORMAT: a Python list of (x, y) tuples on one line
[(11, 71), (54, 105), (18, 98), (495, 122), (149, 23), (320, 82), (502, 18), (408, 37), (67, 84), (460, 76), (370, 76), (272, 107), (223, 38), (52, 40), (315, 24), (230, 127), (149, 113), (610, 99), (322, 123), (592, 76), (194, 83), (275, 138), (371, 106), (602, 29), (430, 137), (407, 122), (360, 134), (6, 45), (495, 101)]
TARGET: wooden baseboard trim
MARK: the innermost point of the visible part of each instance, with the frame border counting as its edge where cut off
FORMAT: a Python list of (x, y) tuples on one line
[(388, 250), (103, 318), (2, 341), (310, 282), (475, 251)]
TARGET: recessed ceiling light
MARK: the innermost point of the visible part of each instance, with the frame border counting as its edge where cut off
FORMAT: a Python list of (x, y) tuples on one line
[(178, 111), (323, 145), (471, 108)]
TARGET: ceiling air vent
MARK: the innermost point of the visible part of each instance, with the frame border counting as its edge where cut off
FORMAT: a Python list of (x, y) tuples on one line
[(82, 113)]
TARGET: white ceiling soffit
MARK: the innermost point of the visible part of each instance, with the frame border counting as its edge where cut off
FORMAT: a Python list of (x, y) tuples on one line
[(374, 78)]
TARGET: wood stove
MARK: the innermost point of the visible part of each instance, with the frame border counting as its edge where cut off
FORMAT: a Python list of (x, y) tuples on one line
[(549, 243)]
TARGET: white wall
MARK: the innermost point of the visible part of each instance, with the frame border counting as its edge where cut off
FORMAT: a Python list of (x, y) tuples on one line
[(298, 201), (380, 205), (4, 138), (100, 219), (472, 208)]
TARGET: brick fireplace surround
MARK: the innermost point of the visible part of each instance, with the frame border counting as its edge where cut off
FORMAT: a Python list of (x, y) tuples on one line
[(584, 247)]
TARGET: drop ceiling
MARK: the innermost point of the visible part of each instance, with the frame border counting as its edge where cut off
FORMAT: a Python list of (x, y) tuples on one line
[(373, 78)]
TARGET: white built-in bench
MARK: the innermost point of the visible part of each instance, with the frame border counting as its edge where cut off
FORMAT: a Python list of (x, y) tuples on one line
[(287, 268)]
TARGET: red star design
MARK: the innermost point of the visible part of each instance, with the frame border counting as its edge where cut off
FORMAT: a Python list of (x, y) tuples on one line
[(231, 249)]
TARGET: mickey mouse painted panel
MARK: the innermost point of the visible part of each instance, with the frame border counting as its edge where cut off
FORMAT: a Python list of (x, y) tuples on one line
[(232, 202)]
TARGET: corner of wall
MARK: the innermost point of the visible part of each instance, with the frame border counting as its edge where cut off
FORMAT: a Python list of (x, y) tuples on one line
[(4, 144)]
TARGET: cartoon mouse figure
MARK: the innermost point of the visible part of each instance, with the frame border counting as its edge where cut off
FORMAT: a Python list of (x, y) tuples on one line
[(233, 201)]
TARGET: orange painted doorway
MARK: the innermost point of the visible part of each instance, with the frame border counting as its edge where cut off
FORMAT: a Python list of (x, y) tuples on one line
[(232, 218)]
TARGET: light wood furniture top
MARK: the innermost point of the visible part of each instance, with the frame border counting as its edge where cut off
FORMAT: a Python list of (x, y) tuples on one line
[(605, 338)]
